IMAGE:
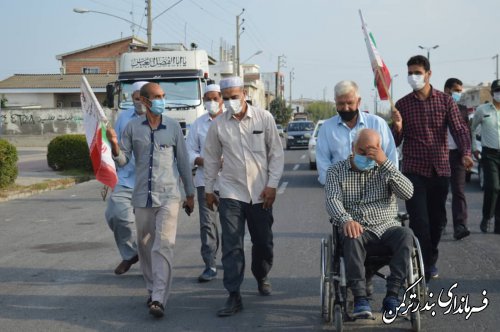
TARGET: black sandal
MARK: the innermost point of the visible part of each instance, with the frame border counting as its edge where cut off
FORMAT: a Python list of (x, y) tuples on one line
[(156, 309), (149, 301)]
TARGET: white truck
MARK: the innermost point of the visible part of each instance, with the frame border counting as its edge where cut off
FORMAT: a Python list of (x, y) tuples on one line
[(181, 74)]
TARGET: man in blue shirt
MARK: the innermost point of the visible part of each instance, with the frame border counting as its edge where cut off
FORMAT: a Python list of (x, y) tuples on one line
[(119, 212), (337, 134)]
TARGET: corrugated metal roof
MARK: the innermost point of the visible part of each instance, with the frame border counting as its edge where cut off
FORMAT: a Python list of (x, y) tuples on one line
[(51, 81), (133, 40)]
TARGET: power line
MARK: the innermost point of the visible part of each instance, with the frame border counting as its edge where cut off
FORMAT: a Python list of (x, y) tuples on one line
[(212, 14), (223, 8), (114, 8)]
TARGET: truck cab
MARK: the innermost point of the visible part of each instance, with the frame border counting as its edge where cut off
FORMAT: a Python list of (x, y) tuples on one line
[(181, 74)]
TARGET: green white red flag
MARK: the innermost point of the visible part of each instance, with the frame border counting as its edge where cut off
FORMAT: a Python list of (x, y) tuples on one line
[(94, 123), (380, 70)]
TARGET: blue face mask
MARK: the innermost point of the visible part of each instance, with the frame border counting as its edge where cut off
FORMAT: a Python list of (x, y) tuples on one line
[(456, 96), (157, 106), (363, 163)]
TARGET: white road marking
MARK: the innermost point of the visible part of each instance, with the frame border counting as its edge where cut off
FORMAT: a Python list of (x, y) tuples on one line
[(296, 167), (303, 156), (282, 188)]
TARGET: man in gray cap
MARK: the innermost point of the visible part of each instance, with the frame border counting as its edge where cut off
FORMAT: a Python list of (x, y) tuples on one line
[(209, 232), (119, 212), (486, 115), (248, 139)]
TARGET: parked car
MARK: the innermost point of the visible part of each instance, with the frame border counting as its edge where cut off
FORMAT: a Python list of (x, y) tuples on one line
[(312, 145), (298, 133), (280, 129)]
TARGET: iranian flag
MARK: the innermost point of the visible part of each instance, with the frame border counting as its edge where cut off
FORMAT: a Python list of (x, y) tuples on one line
[(380, 70), (94, 122)]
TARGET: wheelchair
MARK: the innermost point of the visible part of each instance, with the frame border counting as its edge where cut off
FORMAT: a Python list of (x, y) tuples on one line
[(335, 306)]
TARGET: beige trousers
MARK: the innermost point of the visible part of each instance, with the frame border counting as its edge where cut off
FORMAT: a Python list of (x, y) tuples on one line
[(156, 231)]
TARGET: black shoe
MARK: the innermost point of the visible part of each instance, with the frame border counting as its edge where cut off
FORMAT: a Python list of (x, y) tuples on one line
[(484, 226), (460, 232), (156, 309), (232, 306), (265, 287), (125, 265)]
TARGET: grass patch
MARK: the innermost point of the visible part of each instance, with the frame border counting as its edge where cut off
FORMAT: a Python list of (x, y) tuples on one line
[(77, 173), (74, 176)]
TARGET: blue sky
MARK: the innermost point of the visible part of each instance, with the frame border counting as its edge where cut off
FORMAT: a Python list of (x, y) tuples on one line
[(322, 39)]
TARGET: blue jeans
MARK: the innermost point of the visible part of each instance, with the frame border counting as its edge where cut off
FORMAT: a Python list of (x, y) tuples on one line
[(233, 214)]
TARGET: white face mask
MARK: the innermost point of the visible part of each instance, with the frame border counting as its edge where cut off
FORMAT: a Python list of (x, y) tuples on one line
[(233, 105), (496, 96), (416, 82), (212, 107)]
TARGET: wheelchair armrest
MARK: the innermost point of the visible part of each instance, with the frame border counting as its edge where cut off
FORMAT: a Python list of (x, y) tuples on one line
[(403, 216)]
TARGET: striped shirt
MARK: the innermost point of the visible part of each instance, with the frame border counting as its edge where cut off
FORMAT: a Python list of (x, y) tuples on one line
[(425, 123), (161, 159), (487, 116), (366, 197)]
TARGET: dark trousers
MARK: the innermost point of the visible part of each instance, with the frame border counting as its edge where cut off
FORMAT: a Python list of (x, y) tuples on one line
[(398, 239), (427, 210), (490, 162), (457, 182), (233, 214)]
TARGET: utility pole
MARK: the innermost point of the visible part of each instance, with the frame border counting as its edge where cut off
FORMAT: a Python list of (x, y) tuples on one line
[(292, 77), (150, 25), (281, 63), (238, 34), (496, 57)]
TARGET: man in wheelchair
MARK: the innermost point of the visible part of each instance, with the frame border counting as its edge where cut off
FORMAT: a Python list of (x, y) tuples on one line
[(361, 196)]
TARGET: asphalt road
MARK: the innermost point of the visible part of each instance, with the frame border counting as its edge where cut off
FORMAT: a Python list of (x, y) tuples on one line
[(57, 260)]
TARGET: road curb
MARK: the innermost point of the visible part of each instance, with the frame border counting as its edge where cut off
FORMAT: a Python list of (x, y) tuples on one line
[(47, 185)]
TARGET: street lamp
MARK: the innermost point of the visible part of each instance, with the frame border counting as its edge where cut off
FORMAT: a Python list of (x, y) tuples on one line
[(428, 50), (149, 29), (392, 84), (84, 11), (251, 56)]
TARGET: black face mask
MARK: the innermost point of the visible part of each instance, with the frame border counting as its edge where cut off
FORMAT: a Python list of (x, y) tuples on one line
[(347, 116)]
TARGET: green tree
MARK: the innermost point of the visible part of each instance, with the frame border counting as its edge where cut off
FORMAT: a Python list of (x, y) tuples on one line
[(320, 110), (281, 113), (3, 101)]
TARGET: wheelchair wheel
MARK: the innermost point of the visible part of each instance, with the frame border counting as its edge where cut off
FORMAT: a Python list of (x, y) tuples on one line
[(422, 290), (415, 321), (416, 272), (339, 326), (326, 293)]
